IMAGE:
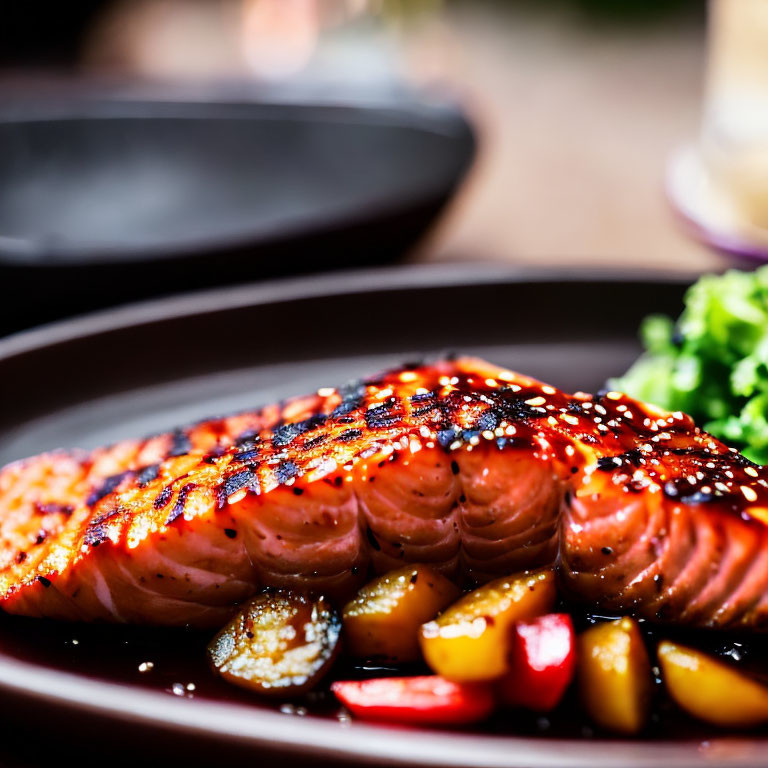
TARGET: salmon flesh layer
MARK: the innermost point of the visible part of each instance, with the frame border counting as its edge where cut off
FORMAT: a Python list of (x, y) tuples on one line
[(472, 468)]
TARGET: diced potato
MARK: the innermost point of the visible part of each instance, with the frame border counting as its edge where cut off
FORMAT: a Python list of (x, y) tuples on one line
[(712, 690), (383, 620), (615, 675), (280, 643), (471, 639)]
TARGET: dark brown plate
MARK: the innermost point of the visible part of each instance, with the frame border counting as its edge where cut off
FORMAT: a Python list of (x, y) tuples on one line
[(149, 366)]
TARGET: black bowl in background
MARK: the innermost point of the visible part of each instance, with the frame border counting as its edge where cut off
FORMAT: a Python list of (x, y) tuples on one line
[(103, 201)]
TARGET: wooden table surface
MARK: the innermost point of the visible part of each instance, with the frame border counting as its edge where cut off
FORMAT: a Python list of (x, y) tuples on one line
[(576, 117), (576, 124)]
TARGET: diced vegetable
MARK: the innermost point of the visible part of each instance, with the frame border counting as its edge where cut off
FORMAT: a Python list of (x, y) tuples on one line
[(383, 620), (428, 700), (280, 643), (712, 690), (542, 662), (615, 675), (471, 639)]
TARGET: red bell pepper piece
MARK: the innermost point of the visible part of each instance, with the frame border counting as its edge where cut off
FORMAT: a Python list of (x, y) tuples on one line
[(542, 661), (427, 700)]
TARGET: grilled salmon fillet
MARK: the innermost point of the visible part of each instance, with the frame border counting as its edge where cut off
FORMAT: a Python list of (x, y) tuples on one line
[(475, 469)]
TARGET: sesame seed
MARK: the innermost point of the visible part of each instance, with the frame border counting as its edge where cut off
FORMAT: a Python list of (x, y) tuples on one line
[(749, 493)]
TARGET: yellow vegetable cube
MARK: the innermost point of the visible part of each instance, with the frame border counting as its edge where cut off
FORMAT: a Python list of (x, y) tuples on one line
[(712, 690), (470, 640), (383, 620), (615, 675)]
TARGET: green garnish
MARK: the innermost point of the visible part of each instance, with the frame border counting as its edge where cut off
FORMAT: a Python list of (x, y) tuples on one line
[(712, 363)]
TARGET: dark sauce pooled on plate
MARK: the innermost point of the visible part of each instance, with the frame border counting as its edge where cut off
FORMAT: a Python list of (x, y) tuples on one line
[(173, 662)]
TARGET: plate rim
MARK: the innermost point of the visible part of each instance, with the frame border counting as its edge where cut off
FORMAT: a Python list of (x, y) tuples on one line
[(281, 733), (314, 285)]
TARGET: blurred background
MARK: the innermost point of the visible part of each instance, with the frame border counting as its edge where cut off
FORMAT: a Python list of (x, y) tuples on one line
[(565, 119)]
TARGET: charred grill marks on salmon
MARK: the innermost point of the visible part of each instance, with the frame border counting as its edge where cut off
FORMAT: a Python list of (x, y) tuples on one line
[(477, 470)]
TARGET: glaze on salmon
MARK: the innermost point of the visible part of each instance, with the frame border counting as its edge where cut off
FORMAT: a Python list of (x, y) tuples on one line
[(474, 469)]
